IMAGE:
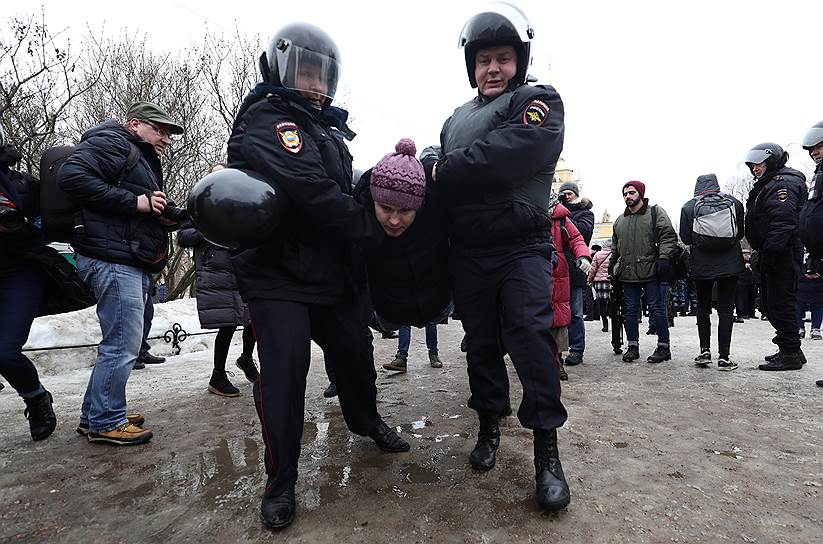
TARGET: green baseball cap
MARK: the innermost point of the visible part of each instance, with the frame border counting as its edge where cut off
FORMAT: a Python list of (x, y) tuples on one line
[(146, 111)]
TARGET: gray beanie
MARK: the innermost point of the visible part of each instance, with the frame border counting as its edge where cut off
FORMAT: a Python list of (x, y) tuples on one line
[(570, 186)]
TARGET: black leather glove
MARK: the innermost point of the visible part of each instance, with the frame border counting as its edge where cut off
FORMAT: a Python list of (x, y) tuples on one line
[(664, 269)]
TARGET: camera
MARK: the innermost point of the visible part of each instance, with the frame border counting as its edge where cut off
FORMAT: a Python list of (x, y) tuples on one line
[(11, 219), (174, 213)]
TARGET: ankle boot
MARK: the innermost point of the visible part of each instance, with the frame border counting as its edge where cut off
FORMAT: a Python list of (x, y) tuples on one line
[(484, 455), (40, 414), (277, 511), (552, 489), (220, 385)]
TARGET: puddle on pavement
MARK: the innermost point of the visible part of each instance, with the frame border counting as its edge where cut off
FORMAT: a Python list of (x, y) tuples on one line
[(420, 474)]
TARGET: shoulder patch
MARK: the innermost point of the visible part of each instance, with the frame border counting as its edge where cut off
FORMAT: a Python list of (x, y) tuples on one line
[(782, 195), (288, 134), (536, 113)]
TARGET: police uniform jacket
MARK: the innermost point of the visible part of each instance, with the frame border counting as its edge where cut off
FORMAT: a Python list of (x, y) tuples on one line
[(498, 161), (95, 175), (301, 150), (408, 275), (774, 206)]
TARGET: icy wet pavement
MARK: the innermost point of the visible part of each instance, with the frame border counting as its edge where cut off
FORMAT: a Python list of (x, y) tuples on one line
[(654, 453)]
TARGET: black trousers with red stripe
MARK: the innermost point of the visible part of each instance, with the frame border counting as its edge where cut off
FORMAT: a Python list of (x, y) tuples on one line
[(284, 330), (504, 302)]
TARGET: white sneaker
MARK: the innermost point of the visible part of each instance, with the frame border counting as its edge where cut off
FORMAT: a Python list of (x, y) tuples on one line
[(815, 335)]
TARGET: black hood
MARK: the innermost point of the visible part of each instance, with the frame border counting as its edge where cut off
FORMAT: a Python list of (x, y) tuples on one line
[(706, 184)]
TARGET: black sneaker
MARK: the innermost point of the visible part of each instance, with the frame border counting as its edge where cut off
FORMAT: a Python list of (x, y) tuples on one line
[(704, 359), (389, 334), (40, 413), (632, 354), (726, 365), (819, 383), (220, 385), (574, 358), (662, 353), (770, 358), (331, 391), (786, 361), (249, 368)]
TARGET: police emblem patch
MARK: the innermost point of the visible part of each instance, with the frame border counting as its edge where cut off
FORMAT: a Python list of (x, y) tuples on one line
[(782, 195), (289, 136), (536, 113)]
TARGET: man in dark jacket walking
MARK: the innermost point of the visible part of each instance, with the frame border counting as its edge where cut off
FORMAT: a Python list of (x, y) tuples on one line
[(773, 208), (583, 218), (712, 225), (303, 284), (123, 241)]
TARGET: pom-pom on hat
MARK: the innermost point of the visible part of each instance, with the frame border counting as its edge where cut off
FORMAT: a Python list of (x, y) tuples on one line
[(398, 179)]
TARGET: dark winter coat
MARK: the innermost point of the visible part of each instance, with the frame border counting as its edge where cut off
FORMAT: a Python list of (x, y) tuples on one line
[(26, 249), (705, 264), (809, 291), (114, 230), (811, 218), (583, 218), (634, 255), (309, 259), (498, 161), (218, 300), (408, 275), (772, 215)]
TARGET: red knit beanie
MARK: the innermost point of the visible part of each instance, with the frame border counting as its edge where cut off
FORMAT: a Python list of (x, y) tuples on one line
[(639, 186)]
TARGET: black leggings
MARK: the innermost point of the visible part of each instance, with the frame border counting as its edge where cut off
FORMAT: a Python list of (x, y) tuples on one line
[(603, 307), (223, 342), (726, 288)]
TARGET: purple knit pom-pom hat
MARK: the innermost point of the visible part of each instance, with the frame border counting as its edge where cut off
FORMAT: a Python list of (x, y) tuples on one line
[(398, 179)]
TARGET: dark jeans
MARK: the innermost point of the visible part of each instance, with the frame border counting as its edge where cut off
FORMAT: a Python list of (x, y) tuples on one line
[(404, 339), (817, 315), (726, 288), (744, 300), (223, 341), (504, 301), (780, 302), (148, 316), (284, 332), (21, 293), (657, 311)]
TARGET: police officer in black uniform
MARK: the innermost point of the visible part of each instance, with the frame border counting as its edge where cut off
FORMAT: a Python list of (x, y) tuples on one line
[(497, 158), (772, 211), (299, 285), (811, 218)]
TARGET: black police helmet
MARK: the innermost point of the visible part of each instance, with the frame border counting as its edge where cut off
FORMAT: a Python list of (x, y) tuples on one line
[(770, 153), (296, 46), (236, 208), (813, 136), (499, 24)]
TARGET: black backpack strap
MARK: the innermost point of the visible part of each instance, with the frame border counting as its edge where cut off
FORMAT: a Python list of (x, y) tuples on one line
[(654, 228), (133, 158)]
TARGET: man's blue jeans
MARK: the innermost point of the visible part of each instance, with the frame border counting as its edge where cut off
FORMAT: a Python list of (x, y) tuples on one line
[(404, 339), (577, 328), (657, 311), (121, 292)]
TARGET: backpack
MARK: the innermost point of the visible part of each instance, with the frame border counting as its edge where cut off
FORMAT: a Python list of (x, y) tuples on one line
[(714, 226), (680, 257), (62, 216)]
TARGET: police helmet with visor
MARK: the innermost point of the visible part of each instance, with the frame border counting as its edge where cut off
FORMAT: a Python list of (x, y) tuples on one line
[(500, 23), (770, 153), (813, 136), (302, 57)]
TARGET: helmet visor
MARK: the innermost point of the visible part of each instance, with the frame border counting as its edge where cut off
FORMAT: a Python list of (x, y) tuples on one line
[(813, 137), (313, 74), (756, 156)]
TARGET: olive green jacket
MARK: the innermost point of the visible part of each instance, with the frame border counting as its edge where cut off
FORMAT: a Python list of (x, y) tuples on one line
[(634, 255)]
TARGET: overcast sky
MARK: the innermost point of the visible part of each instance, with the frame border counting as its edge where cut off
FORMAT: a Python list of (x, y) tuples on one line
[(656, 91)]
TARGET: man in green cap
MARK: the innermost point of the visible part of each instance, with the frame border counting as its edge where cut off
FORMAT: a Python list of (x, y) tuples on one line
[(121, 238)]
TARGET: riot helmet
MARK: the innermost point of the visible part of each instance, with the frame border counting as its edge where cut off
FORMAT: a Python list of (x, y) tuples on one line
[(302, 57), (500, 23), (813, 136), (770, 153)]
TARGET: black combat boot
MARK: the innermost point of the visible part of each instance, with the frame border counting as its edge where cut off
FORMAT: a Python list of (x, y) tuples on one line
[(246, 364), (484, 455), (552, 490), (277, 511), (632, 354), (793, 360), (662, 353), (40, 414)]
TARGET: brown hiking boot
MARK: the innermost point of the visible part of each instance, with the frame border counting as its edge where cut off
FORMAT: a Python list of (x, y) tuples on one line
[(398, 364), (434, 360), (124, 435), (134, 419)]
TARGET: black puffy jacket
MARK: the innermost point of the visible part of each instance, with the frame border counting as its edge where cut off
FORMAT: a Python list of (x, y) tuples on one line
[(309, 259), (707, 265), (94, 175), (772, 215), (408, 275), (218, 300), (498, 157), (583, 218)]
